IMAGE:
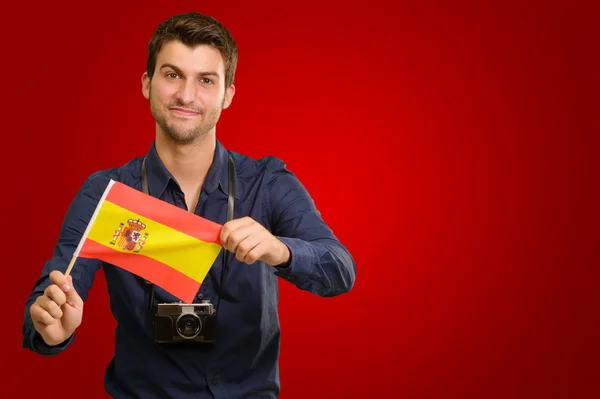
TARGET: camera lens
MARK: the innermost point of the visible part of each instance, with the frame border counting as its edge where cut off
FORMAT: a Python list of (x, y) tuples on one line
[(188, 325)]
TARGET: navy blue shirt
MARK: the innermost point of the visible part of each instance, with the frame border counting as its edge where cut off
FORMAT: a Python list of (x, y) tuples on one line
[(243, 362)]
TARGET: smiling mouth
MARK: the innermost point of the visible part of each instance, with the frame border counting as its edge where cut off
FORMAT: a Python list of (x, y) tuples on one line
[(184, 112)]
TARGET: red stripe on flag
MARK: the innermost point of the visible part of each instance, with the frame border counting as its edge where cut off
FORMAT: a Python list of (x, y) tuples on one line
[(164, 213), (169, 279)]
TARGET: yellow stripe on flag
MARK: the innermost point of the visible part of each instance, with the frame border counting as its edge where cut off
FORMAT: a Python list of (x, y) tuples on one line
[(178, 250)]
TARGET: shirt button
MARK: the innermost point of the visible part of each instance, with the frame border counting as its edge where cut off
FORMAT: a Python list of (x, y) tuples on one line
[(215, 380), (200, 295)]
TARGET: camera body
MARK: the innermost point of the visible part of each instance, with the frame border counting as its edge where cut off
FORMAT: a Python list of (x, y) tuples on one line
[(185, 323)]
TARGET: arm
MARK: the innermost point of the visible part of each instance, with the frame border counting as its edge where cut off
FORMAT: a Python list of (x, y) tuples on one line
[(319, 263), (73, 227)]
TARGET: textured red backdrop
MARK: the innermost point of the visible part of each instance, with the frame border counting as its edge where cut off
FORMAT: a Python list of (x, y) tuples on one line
[(452, 146)]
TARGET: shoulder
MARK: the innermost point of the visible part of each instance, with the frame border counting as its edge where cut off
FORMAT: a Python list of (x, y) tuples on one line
[(267, 176), (266, 170), (248, 166), (128, 173)]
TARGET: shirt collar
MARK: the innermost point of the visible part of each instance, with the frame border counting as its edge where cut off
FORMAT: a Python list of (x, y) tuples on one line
[(218, 173)]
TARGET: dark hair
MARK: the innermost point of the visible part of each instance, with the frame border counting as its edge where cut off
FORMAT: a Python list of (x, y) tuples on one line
[(193, 29)]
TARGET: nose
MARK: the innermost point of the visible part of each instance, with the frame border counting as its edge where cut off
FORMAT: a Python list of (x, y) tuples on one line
[(187, 91)]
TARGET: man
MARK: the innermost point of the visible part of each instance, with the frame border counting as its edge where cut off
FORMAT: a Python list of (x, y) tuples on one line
[(276, 231)]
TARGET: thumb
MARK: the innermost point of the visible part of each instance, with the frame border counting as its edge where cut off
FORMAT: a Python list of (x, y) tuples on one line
[(65, 283), (72, 295), (59, 279)]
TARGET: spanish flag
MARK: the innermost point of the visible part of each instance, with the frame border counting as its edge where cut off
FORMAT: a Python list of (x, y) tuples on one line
[(153, 239)]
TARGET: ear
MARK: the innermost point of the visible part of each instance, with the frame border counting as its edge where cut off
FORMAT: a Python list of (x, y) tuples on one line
[(146, 85), (229, 93)]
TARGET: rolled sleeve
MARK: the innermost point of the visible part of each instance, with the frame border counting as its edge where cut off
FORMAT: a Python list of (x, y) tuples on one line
[(38, 345)]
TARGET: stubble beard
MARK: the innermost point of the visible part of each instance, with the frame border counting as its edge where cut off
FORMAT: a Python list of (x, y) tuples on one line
[(182, 135)]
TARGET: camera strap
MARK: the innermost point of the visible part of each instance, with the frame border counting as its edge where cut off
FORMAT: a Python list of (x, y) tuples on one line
[(230, 205)]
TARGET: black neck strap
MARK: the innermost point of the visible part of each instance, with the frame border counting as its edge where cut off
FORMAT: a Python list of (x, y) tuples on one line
[(230, 204)]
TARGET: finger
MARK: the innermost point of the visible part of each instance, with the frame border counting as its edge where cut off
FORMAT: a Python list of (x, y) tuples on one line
[(55, 293), (255, 253), (66, 285), (233, 225), (247, 245), (239, 235), (50, 306), (58, 278), (40, 316), (73, 297)]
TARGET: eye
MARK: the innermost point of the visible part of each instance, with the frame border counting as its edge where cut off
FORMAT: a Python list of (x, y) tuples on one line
[(206, 81), (172, 75)]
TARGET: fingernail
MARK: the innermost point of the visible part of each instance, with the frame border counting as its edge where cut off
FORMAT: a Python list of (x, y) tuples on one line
[(65, 287)]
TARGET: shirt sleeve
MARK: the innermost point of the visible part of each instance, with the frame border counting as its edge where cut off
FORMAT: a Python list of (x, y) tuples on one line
[(74, 224), (319, 262)]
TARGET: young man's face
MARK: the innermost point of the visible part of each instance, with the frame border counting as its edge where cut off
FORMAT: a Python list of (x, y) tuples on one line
[(187, 92)]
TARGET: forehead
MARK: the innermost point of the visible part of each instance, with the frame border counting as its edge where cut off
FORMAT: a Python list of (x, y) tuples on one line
[(201, 58)]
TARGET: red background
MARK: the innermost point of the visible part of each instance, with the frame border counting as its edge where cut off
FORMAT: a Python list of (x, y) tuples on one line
[(452, 146)]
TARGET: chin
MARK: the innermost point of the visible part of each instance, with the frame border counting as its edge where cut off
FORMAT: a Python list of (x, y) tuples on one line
[(185, 138)]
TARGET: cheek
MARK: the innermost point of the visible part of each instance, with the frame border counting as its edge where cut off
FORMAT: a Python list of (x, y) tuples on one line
[(163, 94), (162, 100), (212, 98)]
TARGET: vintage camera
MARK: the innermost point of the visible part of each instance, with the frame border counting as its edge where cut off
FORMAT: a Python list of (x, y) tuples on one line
[(185, 323)]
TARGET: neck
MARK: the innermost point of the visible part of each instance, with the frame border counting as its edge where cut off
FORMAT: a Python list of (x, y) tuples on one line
[(188, 163)]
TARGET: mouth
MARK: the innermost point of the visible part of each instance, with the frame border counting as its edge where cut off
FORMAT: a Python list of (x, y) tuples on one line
[(184, 112)]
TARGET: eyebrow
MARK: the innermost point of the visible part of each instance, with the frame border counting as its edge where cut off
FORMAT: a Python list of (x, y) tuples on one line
[(178, 71)]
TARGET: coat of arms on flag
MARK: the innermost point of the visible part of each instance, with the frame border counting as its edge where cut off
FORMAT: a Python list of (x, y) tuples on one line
[(130, 238)]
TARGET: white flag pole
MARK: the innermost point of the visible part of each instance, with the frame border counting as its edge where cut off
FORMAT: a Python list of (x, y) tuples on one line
[(89, 226)]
